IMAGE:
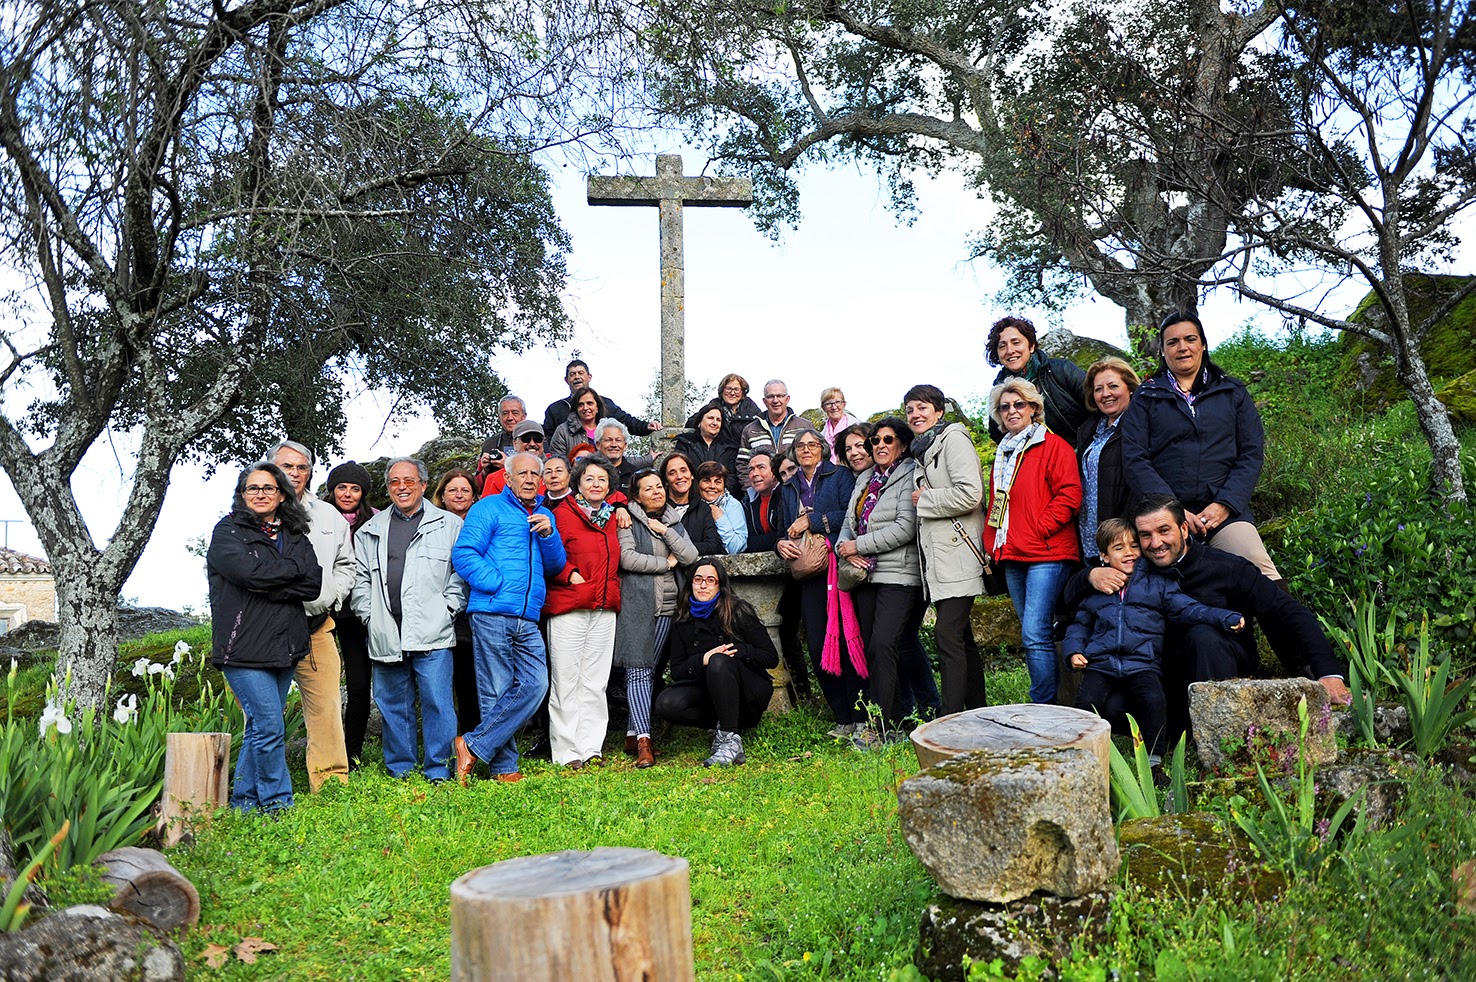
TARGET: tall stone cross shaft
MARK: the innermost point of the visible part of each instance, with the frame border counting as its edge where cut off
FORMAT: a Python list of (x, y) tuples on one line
[(669, 190)]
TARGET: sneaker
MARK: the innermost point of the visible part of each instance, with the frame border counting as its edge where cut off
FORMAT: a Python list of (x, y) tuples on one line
[(844, 730), (865, 738), (727, 750)]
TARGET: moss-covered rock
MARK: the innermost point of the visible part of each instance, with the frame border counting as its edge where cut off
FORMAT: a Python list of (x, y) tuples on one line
[(1459, 396), (1193, 855), (1039, 926), (1448, 350), (1061, 343), (995, 627)]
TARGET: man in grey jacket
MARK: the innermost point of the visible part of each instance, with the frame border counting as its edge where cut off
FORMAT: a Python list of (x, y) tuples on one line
[(317, 675), (408, 595)]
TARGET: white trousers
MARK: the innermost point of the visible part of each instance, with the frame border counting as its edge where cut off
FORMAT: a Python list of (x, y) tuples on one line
[(581, 645)]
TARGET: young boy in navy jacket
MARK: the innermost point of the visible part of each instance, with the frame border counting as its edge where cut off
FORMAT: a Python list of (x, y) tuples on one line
[(1116, 641)]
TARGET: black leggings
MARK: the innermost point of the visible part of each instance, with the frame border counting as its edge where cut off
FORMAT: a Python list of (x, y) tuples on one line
[(727, 696), (353, 645), (1145, 700), (842, 692), (958, 656)]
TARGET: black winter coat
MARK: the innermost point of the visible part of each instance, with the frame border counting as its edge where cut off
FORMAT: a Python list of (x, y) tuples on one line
[(694, 637), (1063, 387), (1113, 494), (257, 593), (735, 420), (701, 527), (1219, 579), (1209, 453), (723, 450)]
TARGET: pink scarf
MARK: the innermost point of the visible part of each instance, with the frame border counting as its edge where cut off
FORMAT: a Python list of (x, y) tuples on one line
[(840, 610)]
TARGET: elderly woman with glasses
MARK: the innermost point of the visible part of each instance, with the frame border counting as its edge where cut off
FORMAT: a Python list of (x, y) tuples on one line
[(262, 569), (833, 405), (737, 407), (814, 502), (1034, 495)]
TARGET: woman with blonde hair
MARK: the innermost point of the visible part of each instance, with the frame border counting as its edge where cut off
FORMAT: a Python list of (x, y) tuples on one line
[(1030, 524), (837, 420)]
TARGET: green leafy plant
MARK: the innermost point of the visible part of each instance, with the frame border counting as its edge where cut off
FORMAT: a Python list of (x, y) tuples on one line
[(1434, 704), (1370, 648), (1133, 789), (1290, 836), (15, 907)]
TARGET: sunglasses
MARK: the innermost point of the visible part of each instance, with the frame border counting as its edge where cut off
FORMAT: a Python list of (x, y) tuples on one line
[(889, 439), (530, 438), (1005, 407)]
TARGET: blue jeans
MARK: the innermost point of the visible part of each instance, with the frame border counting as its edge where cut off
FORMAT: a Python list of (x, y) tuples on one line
[(262, 780), (512, 679), (1035, 589), (395, 687)]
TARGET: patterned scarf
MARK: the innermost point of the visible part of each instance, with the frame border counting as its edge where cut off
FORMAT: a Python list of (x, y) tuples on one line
[(873, 492), (599, 514), (923, 441)]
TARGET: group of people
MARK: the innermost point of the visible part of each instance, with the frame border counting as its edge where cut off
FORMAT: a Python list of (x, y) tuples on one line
[(558, 562)]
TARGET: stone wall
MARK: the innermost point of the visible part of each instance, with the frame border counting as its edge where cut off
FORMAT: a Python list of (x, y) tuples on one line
[(35, 595)]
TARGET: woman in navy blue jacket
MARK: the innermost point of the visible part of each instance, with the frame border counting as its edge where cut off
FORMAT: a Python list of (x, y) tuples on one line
[(1193, 432)]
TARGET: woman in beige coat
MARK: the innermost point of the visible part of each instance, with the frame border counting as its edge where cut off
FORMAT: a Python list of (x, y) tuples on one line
[(950, 528)]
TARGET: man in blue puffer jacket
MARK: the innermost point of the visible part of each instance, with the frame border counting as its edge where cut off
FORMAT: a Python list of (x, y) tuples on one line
[(1117, 639), (508, 546)]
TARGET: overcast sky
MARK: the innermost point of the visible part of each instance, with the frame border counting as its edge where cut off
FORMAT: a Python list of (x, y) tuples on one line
[(850, 298)]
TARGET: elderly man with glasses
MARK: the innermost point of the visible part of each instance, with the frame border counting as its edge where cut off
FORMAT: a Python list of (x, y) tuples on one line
[(774, 431)]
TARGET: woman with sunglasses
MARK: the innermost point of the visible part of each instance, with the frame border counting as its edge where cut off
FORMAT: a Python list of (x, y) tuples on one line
[(880, 536), (949, 489), (261, 569), (650, 551), (720, 660), (579, 426), (1034, 495)]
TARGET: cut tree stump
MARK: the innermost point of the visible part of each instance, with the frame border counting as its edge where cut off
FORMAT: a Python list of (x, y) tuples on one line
[(1026, 726), (610, 915), (197, 775), (148, 886)]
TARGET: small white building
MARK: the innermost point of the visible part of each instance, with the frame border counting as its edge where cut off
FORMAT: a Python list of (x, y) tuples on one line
[(27, 590)]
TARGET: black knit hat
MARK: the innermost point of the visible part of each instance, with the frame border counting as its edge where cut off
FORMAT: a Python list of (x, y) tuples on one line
[(349, 472)]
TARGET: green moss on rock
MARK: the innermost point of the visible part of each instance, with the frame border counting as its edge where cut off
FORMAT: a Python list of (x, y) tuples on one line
[(1448, 350), (1193, 855)]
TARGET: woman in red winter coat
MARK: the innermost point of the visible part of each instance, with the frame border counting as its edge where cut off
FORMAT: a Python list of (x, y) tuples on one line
[(1034, 494), (581, 607)]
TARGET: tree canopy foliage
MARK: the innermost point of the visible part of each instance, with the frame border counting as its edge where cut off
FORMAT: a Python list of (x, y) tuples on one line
[(222, 215)]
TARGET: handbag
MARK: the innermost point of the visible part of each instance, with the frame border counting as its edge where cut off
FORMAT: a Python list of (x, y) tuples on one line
[(848, 577), (813, 558)]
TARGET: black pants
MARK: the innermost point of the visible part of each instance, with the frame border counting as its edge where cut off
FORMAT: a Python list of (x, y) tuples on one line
[(727, 696), (1200, 653), (842, 692), (889, 613), (353, 646), (919, 689), (464, 681), (1144, 698), (790, 619), (958, 656)]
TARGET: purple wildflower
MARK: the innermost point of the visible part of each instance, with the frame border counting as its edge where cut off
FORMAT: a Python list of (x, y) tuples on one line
[(1321, 828)]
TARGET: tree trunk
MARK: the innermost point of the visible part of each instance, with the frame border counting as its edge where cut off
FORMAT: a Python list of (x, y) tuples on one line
[(1445, 449), (196, 781), (87, 618), (1144, 300)]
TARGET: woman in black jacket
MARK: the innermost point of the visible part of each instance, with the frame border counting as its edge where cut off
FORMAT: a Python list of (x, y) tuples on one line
[(720, 657), (679, 475), (738, 409), (711, 442), (1110, 384), (261, 569), (1012, 346)]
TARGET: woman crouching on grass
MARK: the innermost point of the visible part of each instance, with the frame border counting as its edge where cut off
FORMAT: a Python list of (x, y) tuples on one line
[(720, 657)]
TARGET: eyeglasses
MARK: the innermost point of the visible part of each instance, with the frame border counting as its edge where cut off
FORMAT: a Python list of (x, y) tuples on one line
[(403, 482), (807, 445), (732, 388), (1005, 407), (295, 468), (833, 404), (256, 489), (888, 440), (705, 580), (775, 395), (530, 438)]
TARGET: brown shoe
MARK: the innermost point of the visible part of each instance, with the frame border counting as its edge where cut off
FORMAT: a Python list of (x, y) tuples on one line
[(645, 756), (575, 764), (465, 761), (630, 744), (508, 778)]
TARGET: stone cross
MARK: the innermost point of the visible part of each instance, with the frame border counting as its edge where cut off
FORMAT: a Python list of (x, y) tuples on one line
[(669, 190)]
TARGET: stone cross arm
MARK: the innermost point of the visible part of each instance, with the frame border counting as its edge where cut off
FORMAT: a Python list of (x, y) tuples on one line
[(670, 185)]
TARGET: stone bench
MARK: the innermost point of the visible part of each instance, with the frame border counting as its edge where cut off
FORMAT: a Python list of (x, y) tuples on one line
[(996, 826)]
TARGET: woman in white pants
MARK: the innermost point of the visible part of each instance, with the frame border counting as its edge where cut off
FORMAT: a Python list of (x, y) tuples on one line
[(581, 607)]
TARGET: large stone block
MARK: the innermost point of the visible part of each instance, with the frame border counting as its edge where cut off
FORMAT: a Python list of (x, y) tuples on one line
[(1257, 715), (998, 826), (1041, 926)]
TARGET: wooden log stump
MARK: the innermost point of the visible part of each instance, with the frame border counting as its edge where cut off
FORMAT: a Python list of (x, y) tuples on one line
[(610, 915), (197, 774), (1026, 726), (148, 886)]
